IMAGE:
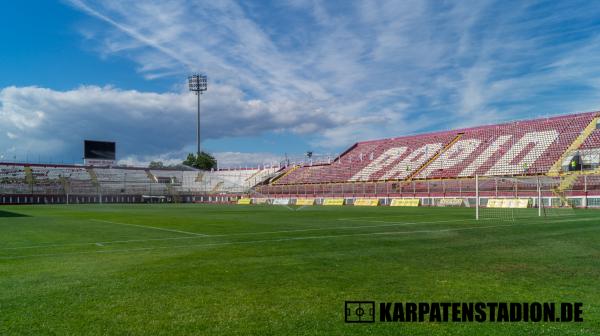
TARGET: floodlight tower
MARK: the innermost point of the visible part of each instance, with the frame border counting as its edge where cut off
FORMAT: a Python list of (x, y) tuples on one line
[(197, 84)]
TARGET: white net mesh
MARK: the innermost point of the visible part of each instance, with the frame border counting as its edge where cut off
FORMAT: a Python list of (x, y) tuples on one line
[(514, 197)]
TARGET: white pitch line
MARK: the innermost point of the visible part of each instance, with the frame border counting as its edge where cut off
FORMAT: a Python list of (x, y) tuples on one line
[(151, 227), (103, 242), (391, 224), (287, 239), (233, 234), (355, 219), (338, 227)]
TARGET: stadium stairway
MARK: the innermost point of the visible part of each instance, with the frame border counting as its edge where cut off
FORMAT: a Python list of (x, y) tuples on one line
[(151, 176), (28, 175), (249, 178), (285, 174), (173, 192), (563, 199), (587, 131), (433, 158), (567, 182), (269, 176), (94, 177), (65, 184), (217, 187)]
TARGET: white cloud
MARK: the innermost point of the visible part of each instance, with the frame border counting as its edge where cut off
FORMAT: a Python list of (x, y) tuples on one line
[(224, 159), (456, 62), (240, 159), (335, 73), (142, 123)]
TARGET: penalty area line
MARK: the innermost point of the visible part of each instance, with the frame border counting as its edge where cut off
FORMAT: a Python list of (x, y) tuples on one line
[(385, 233), (151, 227), (331, 228)]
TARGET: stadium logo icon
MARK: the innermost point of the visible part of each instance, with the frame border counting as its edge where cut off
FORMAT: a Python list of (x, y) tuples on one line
[(359, 311)]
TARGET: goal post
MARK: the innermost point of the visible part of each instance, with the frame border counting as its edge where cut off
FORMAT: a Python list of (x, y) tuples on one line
[(512, 197), (477, 200), (539, 197)]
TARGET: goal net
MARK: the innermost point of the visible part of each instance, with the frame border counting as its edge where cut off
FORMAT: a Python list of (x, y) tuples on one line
[(508, 198)]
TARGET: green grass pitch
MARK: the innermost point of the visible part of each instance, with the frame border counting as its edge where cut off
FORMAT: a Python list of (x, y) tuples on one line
[(266, 270)]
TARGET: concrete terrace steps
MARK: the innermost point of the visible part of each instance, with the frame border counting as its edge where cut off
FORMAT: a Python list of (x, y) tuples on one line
[(28, 175), (587, 131), (445, 148), (151, 176), (93, 176), (285, 174), (217, 187), (529, 147), (567, 181)]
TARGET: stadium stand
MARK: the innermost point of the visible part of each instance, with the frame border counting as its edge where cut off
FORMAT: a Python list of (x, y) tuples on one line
[(220, 181), (563, 150), (128, 181), (593, 141), (517, 148), (12, 179), (371, 160), (64, 179), (12, 173)]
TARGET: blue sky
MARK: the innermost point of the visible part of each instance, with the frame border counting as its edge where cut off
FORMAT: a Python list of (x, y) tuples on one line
[(284, 76)]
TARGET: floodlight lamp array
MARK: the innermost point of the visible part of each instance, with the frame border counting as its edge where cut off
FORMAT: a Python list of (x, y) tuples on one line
[(197, 83)]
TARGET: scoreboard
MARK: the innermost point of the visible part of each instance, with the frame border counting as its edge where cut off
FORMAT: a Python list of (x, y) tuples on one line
[(99, 153)]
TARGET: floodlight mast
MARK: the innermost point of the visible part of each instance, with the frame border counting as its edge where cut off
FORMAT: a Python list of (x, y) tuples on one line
[(198, 84)]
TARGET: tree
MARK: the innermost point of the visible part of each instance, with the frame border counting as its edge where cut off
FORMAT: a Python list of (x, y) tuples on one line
[(203, 161), (190, 160), (156, 164)]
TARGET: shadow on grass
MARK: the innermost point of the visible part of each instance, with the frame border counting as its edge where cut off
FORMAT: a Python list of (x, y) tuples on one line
[(11, 214)]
